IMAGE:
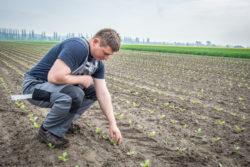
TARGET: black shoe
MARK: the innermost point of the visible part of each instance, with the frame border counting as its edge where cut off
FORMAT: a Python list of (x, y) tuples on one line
[(73, 129), (45, 136)]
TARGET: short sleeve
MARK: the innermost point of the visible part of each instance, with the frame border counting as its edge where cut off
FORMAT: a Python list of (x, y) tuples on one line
[(73, 54), (100, 72)]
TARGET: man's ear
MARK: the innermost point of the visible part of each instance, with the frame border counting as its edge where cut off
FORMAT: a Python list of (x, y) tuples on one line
[(96, 41)]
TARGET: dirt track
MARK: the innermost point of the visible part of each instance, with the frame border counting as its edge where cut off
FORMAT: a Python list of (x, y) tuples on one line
[(175, 110)]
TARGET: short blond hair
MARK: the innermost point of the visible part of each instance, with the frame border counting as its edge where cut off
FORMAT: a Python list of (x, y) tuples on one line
[(109, 37)]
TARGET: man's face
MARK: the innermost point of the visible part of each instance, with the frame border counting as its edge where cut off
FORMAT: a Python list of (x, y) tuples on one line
[(100, 52)]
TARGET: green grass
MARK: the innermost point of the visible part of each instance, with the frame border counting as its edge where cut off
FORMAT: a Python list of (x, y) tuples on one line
[(208, 51)]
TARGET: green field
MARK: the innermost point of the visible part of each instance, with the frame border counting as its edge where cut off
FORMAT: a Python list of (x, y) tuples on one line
[(209, 51)]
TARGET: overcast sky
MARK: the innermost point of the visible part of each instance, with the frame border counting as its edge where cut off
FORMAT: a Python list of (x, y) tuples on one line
[(219, 21)]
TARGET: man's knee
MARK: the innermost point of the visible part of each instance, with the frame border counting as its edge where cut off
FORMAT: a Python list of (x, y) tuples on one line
[(90, 93), (76, 95)]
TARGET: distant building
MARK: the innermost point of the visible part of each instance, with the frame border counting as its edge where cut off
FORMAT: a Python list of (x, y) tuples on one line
[(238, 46)]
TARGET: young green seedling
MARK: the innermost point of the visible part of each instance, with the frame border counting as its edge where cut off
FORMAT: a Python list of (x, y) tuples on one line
[(198, 131), (131, 153), (172, 106), (136, 104), (120, 116), (180, 150), (149, 111), (130, 122), (243, 117), (21, 105), (241, 99), (166, 104), (172, 121), (233, 114), (64, 157), (185, 126), (163, 116), (113, 142), (181, 98), (34, 120), (152, 134), (195, 101), (218, 109), (98, 130), (181, 109), (105, 136), (88, 124), (36, 125), (145, 163), (51, 146), (238, 129), (236, 148), (215, 139), (220, 122)]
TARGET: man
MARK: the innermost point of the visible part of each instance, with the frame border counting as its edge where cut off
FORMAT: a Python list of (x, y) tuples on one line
[(68, 79)]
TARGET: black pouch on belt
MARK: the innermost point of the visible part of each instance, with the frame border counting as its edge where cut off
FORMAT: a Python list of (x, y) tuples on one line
[(41, 95)]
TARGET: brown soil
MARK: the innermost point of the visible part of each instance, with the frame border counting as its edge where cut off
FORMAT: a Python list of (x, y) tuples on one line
[(175, 110)]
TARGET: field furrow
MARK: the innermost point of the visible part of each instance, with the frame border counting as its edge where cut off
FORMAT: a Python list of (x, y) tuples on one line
[(175, 110)]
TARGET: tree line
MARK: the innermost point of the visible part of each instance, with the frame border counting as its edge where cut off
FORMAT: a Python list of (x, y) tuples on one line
[(23, 34)]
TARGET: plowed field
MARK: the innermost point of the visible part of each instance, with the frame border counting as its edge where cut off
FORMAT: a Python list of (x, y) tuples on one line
[(174, 110)]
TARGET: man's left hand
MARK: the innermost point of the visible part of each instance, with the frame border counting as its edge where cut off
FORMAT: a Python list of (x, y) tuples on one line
[(115, 133)]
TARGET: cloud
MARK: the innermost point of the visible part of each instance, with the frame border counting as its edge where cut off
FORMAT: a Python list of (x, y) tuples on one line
[(221, 21)]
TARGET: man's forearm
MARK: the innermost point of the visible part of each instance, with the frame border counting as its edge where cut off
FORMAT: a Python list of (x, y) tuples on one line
[(105, 102), (67, 79)]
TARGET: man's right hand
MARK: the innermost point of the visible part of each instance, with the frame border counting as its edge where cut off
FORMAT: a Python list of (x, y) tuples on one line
[(86, 81)]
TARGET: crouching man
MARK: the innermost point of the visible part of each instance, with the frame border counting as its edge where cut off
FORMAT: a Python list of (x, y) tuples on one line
[(68, 79)]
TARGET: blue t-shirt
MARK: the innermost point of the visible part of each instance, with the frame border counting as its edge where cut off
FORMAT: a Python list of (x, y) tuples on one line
[(73, 52)]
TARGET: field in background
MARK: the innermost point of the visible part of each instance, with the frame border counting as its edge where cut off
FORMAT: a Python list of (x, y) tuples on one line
[(173, 110), (209, 51)]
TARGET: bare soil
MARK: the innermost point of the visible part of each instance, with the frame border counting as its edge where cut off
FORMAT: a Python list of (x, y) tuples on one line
[(175, 110)]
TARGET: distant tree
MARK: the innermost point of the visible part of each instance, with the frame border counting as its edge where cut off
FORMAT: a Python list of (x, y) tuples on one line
[(137, 40), (55, 36), (43, 35), (18, 34), (33, 34), (23, 34), (198, 43), (208, 43), (238, 46), (148, 40)]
